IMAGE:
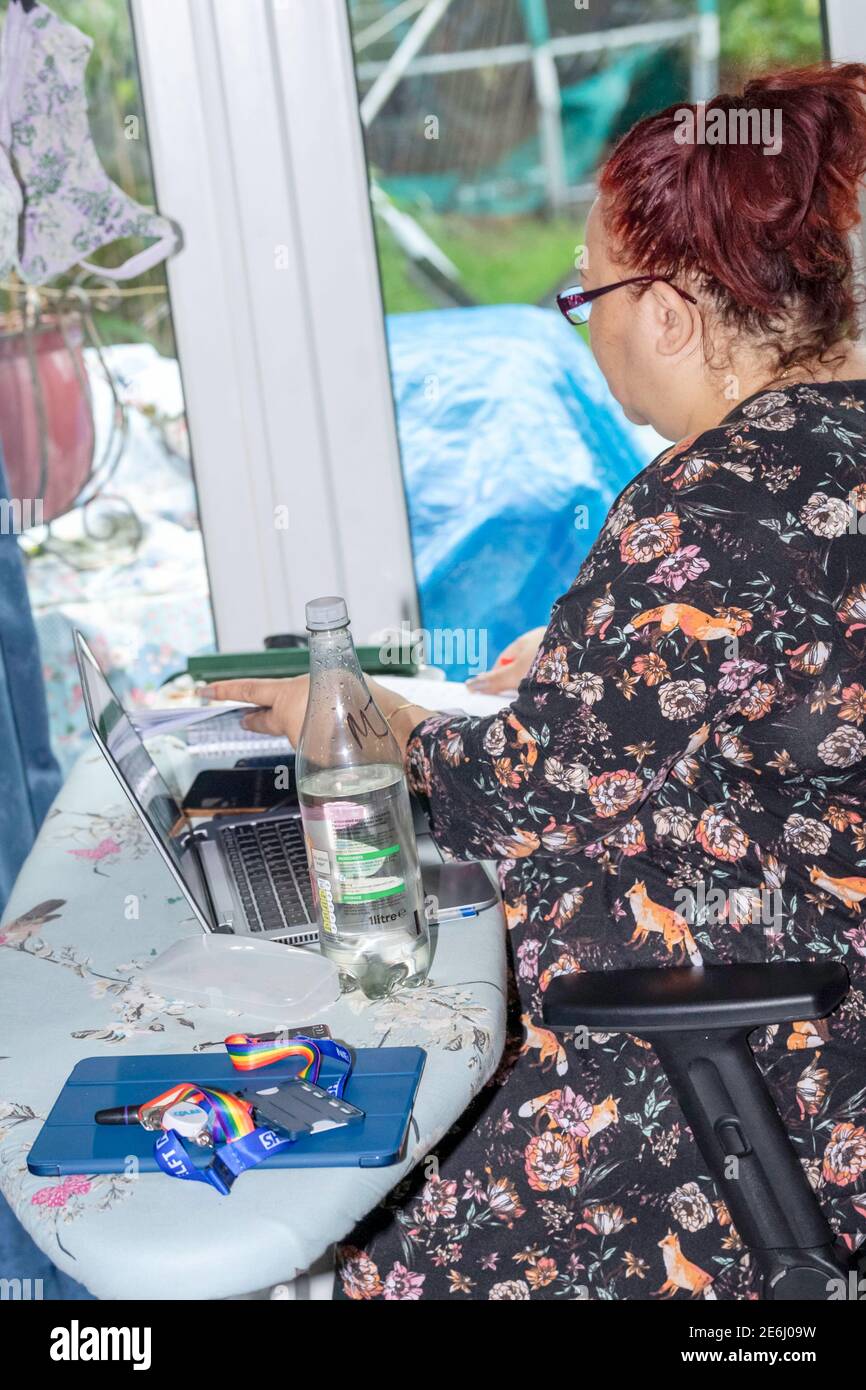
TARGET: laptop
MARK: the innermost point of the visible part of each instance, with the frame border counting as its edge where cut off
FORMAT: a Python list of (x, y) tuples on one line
[(244, 874)]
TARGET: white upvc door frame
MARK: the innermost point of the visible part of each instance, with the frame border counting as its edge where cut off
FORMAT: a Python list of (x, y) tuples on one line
[(845, 25), (257, 152), (845, 37)]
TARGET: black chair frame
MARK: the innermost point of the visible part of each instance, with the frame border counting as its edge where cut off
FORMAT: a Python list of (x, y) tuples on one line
[(698, 1021)]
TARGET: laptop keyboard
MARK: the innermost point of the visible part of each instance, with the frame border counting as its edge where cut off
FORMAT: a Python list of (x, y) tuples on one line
[(268, 862)]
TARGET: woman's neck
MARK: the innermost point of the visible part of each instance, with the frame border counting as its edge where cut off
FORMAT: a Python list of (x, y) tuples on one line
[(848, 364)]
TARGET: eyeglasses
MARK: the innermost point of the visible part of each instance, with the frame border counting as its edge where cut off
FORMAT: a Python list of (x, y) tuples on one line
[(576, 303)]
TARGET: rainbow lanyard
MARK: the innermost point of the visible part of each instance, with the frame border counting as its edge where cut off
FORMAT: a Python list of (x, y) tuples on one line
[(239, 1144), (229, 1159), (230, 1117), (249, 1052)]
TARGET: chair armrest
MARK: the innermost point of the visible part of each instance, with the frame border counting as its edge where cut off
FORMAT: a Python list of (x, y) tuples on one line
[(699, 1019), (647, 1000)]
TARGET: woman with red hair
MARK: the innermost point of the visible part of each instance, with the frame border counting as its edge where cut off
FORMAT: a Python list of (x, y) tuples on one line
[(682, 776)]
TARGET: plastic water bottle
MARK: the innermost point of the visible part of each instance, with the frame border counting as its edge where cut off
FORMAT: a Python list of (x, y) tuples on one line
[(361, 847)]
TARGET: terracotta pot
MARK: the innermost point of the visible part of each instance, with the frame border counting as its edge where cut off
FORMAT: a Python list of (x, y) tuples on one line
[(44, 396)]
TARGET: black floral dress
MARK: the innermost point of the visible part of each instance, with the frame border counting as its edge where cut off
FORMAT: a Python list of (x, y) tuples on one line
[(681, 778)]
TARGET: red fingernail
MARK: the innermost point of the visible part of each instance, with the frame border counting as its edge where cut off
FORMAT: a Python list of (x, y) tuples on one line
[(505, 661)]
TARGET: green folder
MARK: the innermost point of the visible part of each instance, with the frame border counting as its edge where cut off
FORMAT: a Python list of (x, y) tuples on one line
[(284, 661)]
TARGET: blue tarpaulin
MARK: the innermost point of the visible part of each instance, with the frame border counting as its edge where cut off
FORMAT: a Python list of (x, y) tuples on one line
[(513, 450)]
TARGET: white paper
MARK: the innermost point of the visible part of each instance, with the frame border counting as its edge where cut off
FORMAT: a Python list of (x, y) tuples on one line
[(446, 695), (169, 720)]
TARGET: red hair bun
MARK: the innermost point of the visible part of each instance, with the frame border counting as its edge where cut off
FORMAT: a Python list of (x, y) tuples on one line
[(764, 233)]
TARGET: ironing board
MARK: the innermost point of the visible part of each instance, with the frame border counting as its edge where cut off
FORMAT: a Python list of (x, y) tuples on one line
[(91, 905)]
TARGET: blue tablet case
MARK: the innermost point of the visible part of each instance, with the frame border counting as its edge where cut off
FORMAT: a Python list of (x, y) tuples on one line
[(383, 1084)]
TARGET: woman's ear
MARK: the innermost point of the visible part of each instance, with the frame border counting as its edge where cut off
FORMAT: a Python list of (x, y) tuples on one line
[(677, 323)]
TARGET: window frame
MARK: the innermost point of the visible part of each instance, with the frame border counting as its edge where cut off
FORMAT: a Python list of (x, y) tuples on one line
[(257, 152)]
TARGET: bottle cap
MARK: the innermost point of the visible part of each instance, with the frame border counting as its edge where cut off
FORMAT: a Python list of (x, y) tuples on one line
[(328, 612)]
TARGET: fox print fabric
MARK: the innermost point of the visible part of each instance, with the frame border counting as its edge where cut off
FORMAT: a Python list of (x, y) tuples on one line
[(680, 779)]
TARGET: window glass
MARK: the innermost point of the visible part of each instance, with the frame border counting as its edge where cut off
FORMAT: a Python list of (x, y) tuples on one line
[(485, 124), (92, 418)]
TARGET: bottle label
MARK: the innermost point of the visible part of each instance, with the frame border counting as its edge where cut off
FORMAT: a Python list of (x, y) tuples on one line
[(326, 906), (360, 871)]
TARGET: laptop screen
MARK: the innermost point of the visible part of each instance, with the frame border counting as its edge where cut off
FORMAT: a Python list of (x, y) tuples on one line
[(137, 772)]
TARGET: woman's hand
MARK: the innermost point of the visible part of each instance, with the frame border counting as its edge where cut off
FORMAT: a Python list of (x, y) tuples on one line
[(402, 716), (283, 703), (511, 665)]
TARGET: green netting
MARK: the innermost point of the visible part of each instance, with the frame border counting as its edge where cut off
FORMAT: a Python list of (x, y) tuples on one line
[(595, 113)]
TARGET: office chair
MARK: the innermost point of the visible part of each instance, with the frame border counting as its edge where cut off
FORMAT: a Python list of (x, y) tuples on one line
[(698, 1021)]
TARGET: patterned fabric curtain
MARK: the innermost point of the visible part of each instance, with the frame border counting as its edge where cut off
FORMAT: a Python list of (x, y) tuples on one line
[(29, 775)]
